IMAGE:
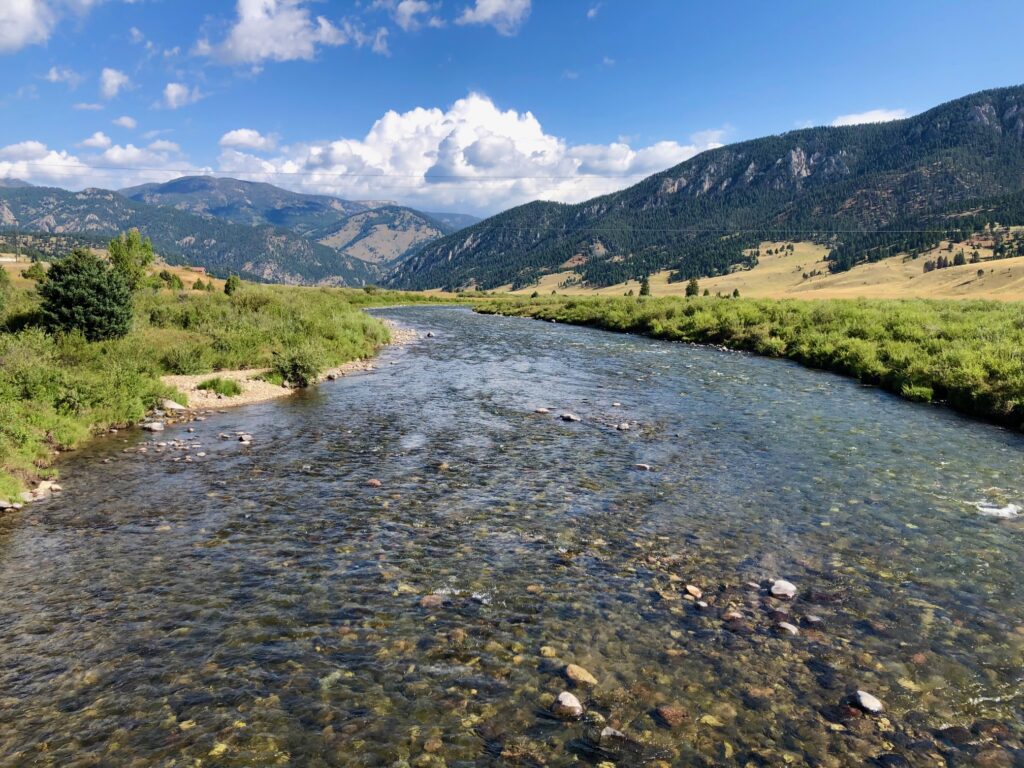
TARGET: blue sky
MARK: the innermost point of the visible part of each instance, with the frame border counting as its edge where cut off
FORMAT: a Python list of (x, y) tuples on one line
[(470, 105)]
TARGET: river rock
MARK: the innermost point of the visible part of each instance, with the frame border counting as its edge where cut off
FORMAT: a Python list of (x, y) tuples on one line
[(170, 405), (570, 417), (783, 589), (374, 483), (868, 703), (610, 734), (671, 716), (579, 675), (542, 410), (432, 601), (643, 467), (623, 427), (567, 706), (787, 628), (153, 426), (694, 591)]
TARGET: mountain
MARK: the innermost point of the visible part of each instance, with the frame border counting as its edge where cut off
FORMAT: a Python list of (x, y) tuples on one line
[(246, 202), (262, 252), (375, 231), (454, 221), (13, 184), (856, 188)]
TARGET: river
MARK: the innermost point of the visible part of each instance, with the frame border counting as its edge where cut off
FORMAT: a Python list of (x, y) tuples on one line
[(261, 605)]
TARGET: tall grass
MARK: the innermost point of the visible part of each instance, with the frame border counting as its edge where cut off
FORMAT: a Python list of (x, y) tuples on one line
[(968, 354), (55, 391)]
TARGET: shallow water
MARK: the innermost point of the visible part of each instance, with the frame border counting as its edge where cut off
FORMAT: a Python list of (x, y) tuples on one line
[(260, 605)]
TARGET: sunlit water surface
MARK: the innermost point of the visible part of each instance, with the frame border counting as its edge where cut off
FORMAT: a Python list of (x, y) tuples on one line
[(261, 605)]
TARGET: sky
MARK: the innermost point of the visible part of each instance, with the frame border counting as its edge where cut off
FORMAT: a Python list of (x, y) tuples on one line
[(462, 105)]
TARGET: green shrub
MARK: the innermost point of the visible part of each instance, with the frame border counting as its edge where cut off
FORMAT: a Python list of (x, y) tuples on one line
[(187, 359), (171, 280), (226, 387), (233, 283), (299, 368), (36, 272), (82, 293)]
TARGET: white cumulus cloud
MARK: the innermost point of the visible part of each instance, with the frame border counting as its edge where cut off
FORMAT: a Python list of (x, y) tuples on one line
[(506, 16), (177, 95), (247, 138), (112, 82), (871, 116), (98, 140), (126, 122), (472, 156), (284, 30), (63, 75)]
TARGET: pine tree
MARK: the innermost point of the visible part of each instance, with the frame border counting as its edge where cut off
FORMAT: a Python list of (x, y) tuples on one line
[(82, 293)]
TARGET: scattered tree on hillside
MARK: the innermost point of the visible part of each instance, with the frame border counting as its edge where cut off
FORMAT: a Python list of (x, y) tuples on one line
[(692, 287), (233, 283), (645, 286), (130, 255), (199, 285), (84, 293), (735, 293)]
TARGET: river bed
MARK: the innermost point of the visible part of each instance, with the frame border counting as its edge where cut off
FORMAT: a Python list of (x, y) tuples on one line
[(206, 602)]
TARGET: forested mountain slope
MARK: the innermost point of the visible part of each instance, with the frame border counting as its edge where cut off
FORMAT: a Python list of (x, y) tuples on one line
[(857, 188), (254, 252)]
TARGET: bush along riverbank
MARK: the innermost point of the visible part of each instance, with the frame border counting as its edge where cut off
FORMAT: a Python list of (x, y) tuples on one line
[(84, 350), (967, 354)]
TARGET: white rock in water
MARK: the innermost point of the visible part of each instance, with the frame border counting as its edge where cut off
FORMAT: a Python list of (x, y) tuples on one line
[(153, 426), (868, 703), (570, 417), (643, 467), (783, 588), (170, 405), (567, 706), (788, 628), (623, 427), (542, 410)]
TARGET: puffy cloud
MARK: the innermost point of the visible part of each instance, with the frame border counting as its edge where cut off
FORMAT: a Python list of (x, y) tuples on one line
[(28, 22), (112, 81), (284, 30), (126, 122), (472, 156), (98, 140), (247, 138), (871, 116), (63, 75), (506, 16), (115, 167), (178, 95), (407, 13)]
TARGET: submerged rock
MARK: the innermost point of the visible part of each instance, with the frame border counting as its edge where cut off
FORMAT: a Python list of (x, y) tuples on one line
[(432, 601), (671, 716), (570, 417), (694, 591), (868, 703), (623, 427), (542, 410), (374, 483), (787, 628), (783, 589), (643, 467), (153, 426), (579, 675), (567, 706)]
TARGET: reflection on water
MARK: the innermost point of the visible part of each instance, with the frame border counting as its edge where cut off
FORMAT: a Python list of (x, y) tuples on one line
[(264, 605)]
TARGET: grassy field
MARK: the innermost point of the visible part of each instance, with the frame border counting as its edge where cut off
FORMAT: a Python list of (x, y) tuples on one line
[(781, 276), (967, 354), (57, 390)]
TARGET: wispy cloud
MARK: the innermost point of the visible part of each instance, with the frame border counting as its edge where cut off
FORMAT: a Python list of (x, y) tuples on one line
[(871, 116), (506, 16)]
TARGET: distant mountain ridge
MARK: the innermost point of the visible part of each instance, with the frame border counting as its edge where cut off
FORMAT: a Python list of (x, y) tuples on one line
[(833, 184), (257, 230), (378, 232)]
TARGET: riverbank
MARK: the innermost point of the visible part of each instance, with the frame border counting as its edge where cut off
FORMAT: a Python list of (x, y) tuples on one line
[(965, 354), (257, 385), (58, 390)]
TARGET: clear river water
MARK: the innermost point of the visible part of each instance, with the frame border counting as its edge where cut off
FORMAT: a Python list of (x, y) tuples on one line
[(263, 604)]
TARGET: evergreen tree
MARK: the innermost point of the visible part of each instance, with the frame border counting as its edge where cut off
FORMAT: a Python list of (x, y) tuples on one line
[(645, 286), (234, 282), (692, 287), (84, 293), (131, 255)]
